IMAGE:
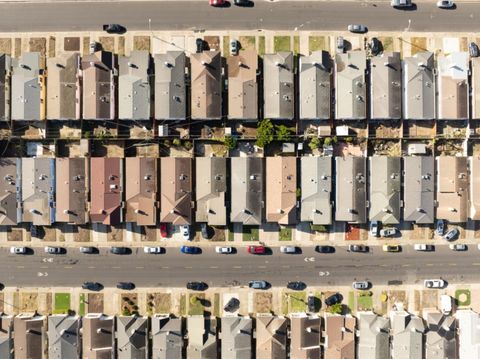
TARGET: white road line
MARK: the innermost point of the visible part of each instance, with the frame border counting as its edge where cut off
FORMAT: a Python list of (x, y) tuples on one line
[(165, 267), (475, 264), (405, 265), (20, 266), (68, 267), (140, 267), (116, 267), (452, 264), (43, 267), (237, 267), (285, 266), (262, 267), (188, 267), (213, 267), (91, 267), (429, 264)]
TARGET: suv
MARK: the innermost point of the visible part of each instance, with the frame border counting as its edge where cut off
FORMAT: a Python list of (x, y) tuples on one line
[(288, 249), (256, 249), (458, 247), (440, 229), (119, 250), (445, 4), (421, 247), (258, 284), (199, 44), (125, 285), (231, 305), (334, 299), (311, 303), (361, 285), (197, 286), (189, 250), (204, 230), (224, 250), (53, 250), (375, 46), (434, 283), (92, 286), (388, 232), (18, 250), (452, 234), (358, 248), (374, 228), (88, 250)]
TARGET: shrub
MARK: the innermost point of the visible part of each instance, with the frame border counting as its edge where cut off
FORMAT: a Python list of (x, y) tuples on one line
[(176, 142), (188, 145), (283, 133), (167, 143), (348, 139), (314, 143), (264, 133), (328, 141), (230, 142), (193, 300), (336, 308)]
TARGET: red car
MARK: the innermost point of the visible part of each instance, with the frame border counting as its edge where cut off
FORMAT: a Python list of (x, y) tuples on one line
[(163, 230), (217, 2), (256, 249)]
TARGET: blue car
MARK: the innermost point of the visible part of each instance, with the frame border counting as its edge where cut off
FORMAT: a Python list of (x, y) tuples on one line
[(189, 250)]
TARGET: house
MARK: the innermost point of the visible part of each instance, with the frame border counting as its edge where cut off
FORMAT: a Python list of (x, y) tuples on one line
[(202, 337), (10, 176), (385, 189), (28, 88), (339, 336), (37, 190), (28, 336), (453, 90), (281, 190), (475, 65), (418, 87), (167, 337), (236, 337), (316, 189), (373, 336), (474, 188), (271, 337), (242, 86), (176, 190), (106, 177), (5, 78), (98, 336), (418, 189), (211, 187), (278, 86), (141, 187), (247, 188), (386, 86), (468, 334), (305, 336), (99, 77), (206, 89), (351, 184), (315, 86), (170, 89), (63, 336), (452, 188), (407, 335), (132, 337), (350, 86), (72, 187), (441, 336), (134, 87), (6, 337), (63, 87)]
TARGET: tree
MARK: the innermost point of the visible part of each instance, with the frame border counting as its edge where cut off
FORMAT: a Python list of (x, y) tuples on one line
[(328, 141), (193, 300), (283, 133), (264, 133), (314, 143), (336, 308), (188, 145), (176, 142), (230, 142)]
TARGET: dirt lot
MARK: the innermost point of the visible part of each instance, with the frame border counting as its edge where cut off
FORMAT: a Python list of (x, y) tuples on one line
[(263, 302), (429, 298), (129, 304), (95, 303), (38, 44), (159, 303), (28, 302), (71, 44), (15, 234), (421, 231), (108, 43), (420, 129), (141, 43)]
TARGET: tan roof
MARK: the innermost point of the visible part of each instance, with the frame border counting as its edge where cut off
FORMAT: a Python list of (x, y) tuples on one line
[(28, 336), (305, 336), (452, 188), (98, 335), (271, 337), (98, 86), (242, 85), (106, 190), (141, 190), (176, 190), (206, 88), (281, 189), (339, 336), (63, 87), (474, 192), (8, 190), (72, 185), (202, 337), (6, 335), (5, 77)]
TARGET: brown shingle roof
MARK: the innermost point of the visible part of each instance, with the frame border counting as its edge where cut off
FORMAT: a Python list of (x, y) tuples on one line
[(281, 189)]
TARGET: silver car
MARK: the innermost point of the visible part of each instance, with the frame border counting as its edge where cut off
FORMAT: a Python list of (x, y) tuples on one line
[(361, 285), (357, 28), (288, 249)]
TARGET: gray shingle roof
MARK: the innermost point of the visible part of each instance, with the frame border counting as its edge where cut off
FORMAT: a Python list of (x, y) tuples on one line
[(236, 337), (167, 337), (63, 336), (10, 174), (441, 339), (5, 74), (202, 337), (132, 337), (386, 86), (418, 190), (373, 338), (278, 86), (407, 332)]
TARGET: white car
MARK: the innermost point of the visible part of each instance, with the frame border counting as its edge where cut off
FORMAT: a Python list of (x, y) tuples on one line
[(185, 231), (361, 285), (288, 249), (445, 4), (421, 247), (153, 250), (388, 232), (18, 250), (434, 283), (458, 247), (224, 250)]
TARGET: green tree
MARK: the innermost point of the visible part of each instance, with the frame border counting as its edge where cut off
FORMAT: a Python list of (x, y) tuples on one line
[(283, 133), (264, 133), (193, 300), (336, 308), (314, 143), (230, 142), (349, 139), (188, 145), (328, 141), (176, 142)]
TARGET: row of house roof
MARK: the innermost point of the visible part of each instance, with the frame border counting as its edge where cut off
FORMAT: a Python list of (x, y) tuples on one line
[(70, 87)]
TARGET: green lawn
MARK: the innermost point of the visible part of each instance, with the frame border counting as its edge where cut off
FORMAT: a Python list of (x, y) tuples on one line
[(319, 228), (261, 45), (294, 302), (197, 307), (463, 297), (281, 43), (316, 43), (249, 233), (296, 45), (62, 303), (81, 310), (230, 234), (364, 302), (285, 234), (351, 300)]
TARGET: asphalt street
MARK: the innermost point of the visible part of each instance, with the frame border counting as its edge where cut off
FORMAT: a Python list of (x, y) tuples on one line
[(174, 269), (266, 15)]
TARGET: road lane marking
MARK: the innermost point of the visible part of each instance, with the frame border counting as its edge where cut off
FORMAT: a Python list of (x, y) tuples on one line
[(188, 267), (475, 264), (165, 267), (405, 265), (262, 267), (116, 267), (43, 267), (285, 266), (91, 267), (237, 267), (68, 267), (213, 267), (20, 266), (140, 267), (429, 264), (452, 264)]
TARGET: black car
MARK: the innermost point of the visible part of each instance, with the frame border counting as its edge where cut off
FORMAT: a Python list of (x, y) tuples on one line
[(199, 43), (126, 285), (375, 46), (334, 299), (311, 301), (358, 248), (197, 286), (92, 286), (324, 249), (242, 2), (114, 28), (296, 285), (231, 305), (119, 250), (205, 231)]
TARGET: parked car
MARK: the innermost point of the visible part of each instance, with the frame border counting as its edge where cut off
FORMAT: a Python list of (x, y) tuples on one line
[(199, 286), (233, 47), (375, 46), (358, 248), (185, 231), (204, 230), (334, 299), (126, 285), (452, 234), (153, 250), (256, 249), (357, 28), (434, 283), (114, 29), (391, 248), (421, 247), (473, 49), (361, 285), (217, 3), (258, 284), (401, 4), (340, 45), (388, 232), (53, 250), (374, 227), (324, 249), (189, 250), (18, 250), (445, 4), (288, 249), (232, 305), (311, 301), (440, 229), (458, 247), (163, 230), (92, 286), (224, 250), (296, 285), (446, 304), (199, 44), (88, 250), (94, 47), (242, 2), (119, 250)]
